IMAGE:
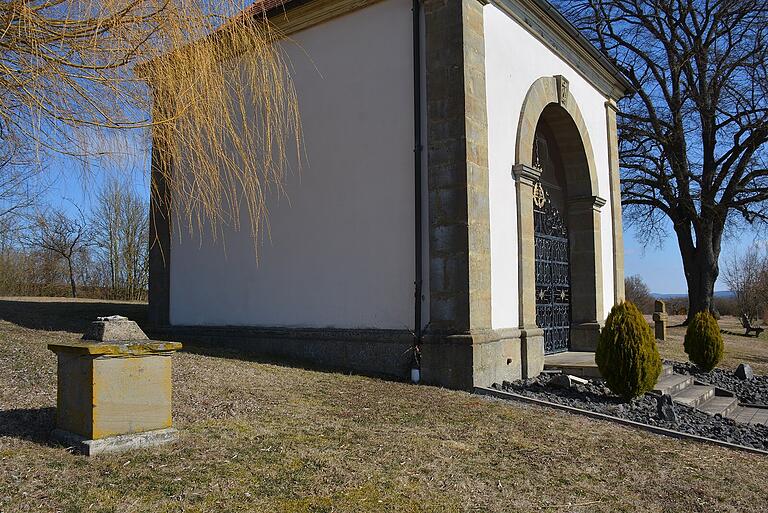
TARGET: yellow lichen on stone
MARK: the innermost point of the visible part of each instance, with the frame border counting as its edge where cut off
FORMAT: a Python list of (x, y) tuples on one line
[(115, 348)]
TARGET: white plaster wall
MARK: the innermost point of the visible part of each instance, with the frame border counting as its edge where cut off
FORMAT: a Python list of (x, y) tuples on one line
[(514, 59), (341, 252)]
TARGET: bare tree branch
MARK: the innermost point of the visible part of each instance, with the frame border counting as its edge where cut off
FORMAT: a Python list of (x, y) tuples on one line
[(693, 137)]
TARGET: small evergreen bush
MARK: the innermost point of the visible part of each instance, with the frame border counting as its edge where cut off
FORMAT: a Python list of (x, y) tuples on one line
[(703, 342), (626, 353)]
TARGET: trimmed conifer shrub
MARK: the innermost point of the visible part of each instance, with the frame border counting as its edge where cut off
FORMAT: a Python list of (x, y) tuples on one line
[(703, 342), (626, 353)]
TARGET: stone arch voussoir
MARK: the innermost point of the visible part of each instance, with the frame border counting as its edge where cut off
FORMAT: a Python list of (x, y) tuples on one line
[(543, 92)]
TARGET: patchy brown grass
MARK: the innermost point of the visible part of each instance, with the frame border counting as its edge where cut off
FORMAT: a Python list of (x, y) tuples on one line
[(264, 437), (738, 348)]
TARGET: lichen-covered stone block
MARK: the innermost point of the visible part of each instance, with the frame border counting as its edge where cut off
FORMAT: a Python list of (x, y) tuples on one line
[(109, 389)]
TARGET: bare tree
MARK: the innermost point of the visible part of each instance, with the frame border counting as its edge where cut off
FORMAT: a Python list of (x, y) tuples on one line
[(747, 277), (121, 226), (18, 187), (60, 235), (205, 80), (693, 134), (638, 292), (135, 252)]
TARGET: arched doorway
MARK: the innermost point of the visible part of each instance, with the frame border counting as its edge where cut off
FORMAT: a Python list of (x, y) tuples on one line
[(557, 183)]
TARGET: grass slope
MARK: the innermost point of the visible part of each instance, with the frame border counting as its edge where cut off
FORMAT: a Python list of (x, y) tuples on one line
[(261, 437)]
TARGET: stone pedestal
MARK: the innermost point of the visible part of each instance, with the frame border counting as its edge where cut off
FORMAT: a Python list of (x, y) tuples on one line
[(113, 395), (464, 361), (660, 320)]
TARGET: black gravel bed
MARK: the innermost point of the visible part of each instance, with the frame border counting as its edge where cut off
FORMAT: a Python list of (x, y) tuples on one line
[(752, 391), (595, 396)]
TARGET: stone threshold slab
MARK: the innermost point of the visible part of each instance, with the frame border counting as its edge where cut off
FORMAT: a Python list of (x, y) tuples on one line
[(490, 392), (114, 444)]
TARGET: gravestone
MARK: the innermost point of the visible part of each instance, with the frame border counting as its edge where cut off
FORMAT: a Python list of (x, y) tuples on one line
[(114, 389), (660, 320)]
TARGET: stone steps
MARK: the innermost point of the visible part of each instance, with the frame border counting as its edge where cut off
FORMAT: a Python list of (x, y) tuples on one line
[(685, 390), (694, 395), (672, 383), (682, 388), (720, 405)]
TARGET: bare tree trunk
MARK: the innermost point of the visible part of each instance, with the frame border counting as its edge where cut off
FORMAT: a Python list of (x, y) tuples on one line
[(700, 263), (72, 277)]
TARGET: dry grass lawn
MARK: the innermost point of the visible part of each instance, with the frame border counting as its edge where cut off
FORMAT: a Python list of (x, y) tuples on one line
[(260, 437), (738, 348)]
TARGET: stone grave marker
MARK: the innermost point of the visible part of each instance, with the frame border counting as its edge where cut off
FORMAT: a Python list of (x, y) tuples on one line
[(113, 389), (660, 319)]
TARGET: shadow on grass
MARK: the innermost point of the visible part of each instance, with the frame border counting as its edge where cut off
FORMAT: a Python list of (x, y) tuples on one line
[(62, 315), (74, 316), (741, 334), (246, 355), (33, 424)]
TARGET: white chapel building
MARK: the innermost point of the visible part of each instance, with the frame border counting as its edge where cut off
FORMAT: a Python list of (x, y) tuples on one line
[(460, 199)]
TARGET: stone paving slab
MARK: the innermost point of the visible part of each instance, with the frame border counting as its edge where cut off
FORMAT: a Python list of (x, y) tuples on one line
[(760, 417), (750, 415)]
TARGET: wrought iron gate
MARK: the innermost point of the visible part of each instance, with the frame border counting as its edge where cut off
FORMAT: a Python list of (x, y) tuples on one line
[(553, 277)]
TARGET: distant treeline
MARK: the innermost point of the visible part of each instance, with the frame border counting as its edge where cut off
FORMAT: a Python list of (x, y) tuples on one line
[(639, 293), (101, 254)]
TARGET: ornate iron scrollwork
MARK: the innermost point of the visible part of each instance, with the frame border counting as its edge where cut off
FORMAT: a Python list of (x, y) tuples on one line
[(553, 278)]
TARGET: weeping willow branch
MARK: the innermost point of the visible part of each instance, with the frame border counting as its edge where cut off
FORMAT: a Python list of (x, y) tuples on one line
[(204, 80)]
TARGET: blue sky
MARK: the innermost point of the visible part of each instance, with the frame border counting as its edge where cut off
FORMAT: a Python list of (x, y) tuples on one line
[(67, 181), (662, 268)]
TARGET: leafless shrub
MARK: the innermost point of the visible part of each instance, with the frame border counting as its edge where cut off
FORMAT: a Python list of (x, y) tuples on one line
[(62, 236), (747, 277), (638, 292), (727, 306)]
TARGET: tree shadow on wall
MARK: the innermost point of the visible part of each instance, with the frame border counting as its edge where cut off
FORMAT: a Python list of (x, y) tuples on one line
[(66, 315), (32, 424)]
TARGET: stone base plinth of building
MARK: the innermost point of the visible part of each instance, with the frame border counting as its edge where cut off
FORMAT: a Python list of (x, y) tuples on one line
[(532, 352), (479, 358), (380, 353), (114, 444)]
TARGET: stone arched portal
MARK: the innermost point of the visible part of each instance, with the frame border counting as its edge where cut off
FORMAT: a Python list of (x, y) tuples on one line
[(548, 100)]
